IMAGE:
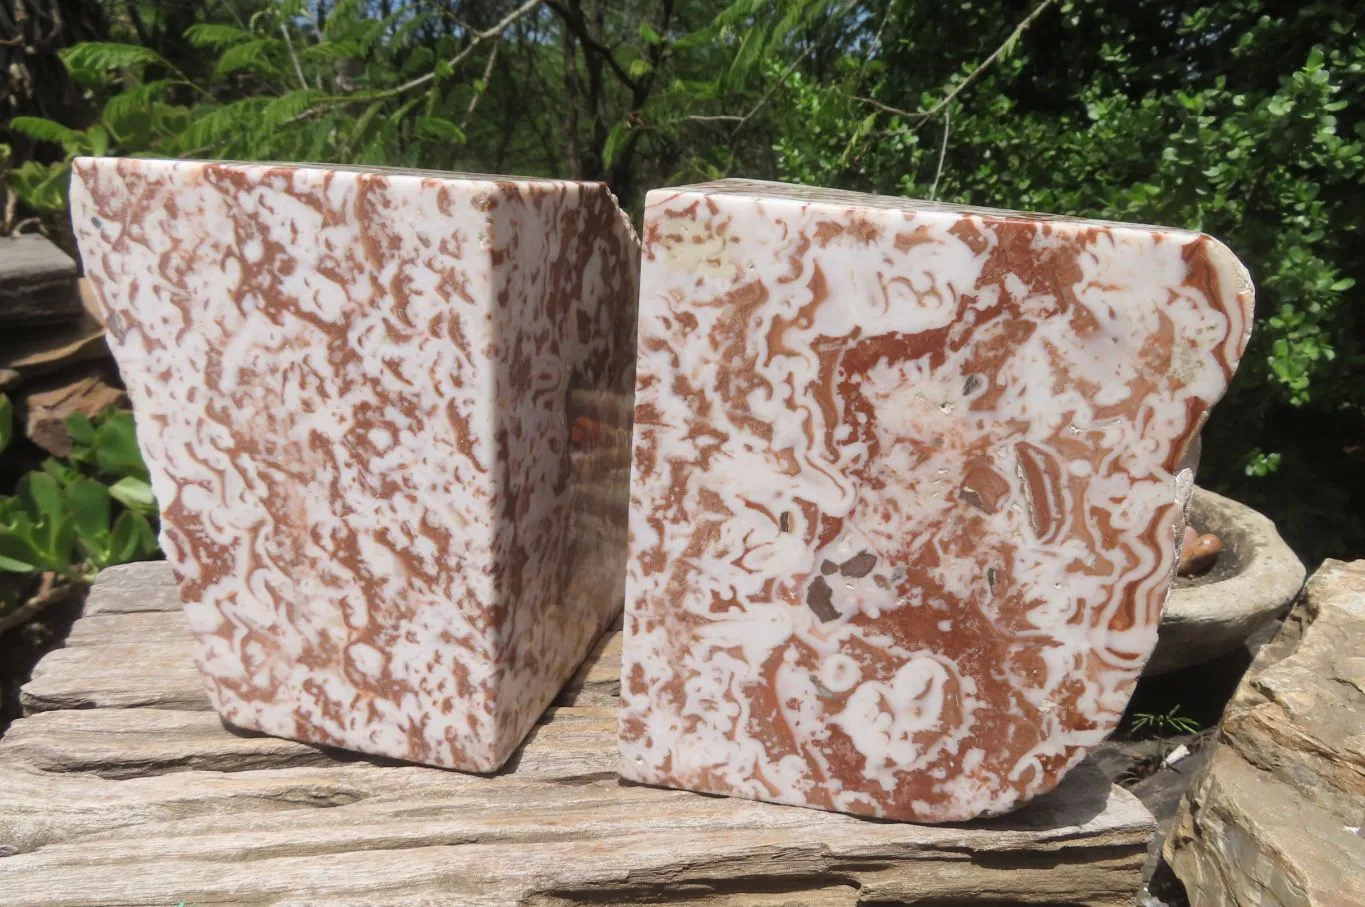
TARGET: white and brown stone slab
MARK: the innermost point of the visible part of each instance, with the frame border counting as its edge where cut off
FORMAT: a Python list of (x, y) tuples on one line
[(144, 805), (377, 408), (908, 487)]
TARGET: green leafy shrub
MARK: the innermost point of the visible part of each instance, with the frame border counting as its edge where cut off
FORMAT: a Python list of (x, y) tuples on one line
[(1241, 118), (77, 516), (357, 89)]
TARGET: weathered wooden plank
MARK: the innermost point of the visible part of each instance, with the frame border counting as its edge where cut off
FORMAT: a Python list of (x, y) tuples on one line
[(158, 675), (506, 840), (37, 282), (141, 659), (156, 802), (598, 682), (134, 743), (129, 588), (135, 628)]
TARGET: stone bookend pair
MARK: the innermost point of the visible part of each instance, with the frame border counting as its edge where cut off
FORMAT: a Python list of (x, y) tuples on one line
[(904, 502)]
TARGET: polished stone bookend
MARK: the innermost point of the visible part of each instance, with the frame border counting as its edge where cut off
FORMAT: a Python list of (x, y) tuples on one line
[(377, 407), (909, 484)]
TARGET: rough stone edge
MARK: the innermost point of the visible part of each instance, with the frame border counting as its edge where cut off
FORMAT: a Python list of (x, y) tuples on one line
[(1208, 813)]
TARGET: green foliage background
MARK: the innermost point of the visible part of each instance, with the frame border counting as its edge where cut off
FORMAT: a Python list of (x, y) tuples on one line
[(1242, 118)]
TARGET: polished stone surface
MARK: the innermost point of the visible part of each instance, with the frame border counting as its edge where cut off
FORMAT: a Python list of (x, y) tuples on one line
[(385, 415), (908, 488)]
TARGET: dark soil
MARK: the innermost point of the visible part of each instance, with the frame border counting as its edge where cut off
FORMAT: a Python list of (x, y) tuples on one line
[(21, 647)]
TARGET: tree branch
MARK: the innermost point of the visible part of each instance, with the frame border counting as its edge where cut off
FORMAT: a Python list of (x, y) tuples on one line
[(138, 25), (942, 153), (923, 116), (477, 39), (767, 95), (298, 70), (51, 590), (873, 102), (574, 20), (474, 101)]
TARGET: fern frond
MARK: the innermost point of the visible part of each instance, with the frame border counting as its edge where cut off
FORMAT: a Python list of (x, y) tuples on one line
[(742, 11), (615, 140), (375, 29), (290, 9), (133, 101), (254, 55), (289, 107), (746, 59), (440, 129), (45, 130), (359, 131), (232, 120), (806, 12), (216, 35), (340, 19), (331, 50), (411, 24), (96, 58)]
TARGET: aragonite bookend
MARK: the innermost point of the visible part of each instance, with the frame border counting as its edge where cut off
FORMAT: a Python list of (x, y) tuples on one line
[(907, 492), (377, 410)]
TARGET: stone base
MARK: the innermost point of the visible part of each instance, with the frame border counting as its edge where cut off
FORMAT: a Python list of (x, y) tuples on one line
[(1257, 578), (126, 789), (1275, 818)]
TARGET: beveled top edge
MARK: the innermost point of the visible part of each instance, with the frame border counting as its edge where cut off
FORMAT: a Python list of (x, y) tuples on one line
[(452, 175), (772, 190)]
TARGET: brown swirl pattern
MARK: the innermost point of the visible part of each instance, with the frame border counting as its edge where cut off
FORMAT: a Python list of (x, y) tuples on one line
[(360, 397), (907, 492)]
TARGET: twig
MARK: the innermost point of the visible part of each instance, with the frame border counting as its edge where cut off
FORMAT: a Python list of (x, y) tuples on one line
[(995, 55), (458, 22), (942, 153), (924, 116), (474, 101), (873, 102), (875, 47), (782, 80), (11, 206), (298, 70), (474, 42), (51, 591), (585, 37), (877, 38), (718, 118), (873, 51)]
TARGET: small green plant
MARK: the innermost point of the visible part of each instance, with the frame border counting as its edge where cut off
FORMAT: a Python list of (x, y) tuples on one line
[(77, 516), (1164, 724), (1261, 464), (110, 450)]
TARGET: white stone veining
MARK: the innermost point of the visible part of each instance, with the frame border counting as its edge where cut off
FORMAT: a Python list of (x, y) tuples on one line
[(355, 394), (904, 504)]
